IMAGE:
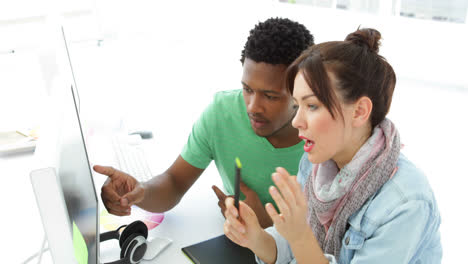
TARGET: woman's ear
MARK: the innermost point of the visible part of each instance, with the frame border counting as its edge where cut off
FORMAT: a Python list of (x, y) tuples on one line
[(362, 111)]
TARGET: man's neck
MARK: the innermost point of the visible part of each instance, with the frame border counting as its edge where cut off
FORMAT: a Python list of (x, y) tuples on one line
[(285, 138)]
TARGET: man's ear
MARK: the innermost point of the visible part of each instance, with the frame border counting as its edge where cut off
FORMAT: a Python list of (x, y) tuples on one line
[(362, 111)]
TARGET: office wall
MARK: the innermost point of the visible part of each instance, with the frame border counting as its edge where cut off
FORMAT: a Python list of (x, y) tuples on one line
[(407, 42)]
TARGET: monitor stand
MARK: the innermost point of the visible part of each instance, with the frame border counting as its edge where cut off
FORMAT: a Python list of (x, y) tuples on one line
[(51, 204)]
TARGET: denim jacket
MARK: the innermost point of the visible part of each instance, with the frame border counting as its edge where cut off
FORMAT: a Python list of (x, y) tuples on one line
[(398, 224)]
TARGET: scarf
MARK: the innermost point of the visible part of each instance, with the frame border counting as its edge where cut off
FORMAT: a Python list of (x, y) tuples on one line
[(333, 195)]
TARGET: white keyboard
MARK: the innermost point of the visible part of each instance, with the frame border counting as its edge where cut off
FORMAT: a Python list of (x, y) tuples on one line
[(131, 156)]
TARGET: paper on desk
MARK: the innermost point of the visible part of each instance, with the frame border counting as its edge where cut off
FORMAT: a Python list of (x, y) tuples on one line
[(17, 141), (79, 246)]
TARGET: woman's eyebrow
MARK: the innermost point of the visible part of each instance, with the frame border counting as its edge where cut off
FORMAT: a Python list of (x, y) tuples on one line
[(303, 97), (307, 96)]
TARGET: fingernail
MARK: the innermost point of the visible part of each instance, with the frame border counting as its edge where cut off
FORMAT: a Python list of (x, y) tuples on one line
[(242, 230), (124, 202), (275, 177), (273, 189)]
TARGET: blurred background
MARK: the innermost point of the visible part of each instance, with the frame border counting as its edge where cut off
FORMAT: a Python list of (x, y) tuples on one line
[(155, 65)]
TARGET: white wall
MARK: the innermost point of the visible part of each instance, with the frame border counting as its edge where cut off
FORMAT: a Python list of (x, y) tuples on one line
[(422, 49)]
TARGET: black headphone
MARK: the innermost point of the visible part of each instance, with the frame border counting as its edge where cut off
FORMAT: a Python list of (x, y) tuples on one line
[(132, 242)]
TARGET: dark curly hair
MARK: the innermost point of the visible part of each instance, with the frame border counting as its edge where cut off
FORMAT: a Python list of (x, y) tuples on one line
[(276, 41)]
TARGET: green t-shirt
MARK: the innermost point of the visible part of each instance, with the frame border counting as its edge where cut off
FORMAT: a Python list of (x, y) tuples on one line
[(223, 132)]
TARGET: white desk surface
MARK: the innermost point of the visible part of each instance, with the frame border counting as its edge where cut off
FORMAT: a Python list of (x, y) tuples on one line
[(196, 218)]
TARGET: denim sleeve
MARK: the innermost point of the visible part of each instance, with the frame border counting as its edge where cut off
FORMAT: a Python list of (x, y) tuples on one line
[(399, 238), (283, 251), (305, 167)]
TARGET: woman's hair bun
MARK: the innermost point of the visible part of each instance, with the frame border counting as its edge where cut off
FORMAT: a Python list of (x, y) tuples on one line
[(366, 36)]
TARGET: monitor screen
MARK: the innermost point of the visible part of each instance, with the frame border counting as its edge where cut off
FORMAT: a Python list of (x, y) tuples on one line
[(76, 177), (61, 146)]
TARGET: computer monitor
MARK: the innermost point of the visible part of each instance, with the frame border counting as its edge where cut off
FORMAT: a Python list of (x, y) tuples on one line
[(76, 180), (61, 146), (74, 170), (64, 147)]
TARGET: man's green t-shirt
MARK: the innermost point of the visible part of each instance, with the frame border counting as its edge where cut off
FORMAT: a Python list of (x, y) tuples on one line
[(223, 132)]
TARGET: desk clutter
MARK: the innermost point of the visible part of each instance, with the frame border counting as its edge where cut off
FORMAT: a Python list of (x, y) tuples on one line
[(17, 141)]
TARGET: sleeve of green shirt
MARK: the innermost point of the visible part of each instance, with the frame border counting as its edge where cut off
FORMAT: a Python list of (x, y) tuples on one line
[(198, 149)]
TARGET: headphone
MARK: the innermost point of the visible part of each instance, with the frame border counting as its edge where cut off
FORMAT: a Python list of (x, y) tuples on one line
[(132, 242)]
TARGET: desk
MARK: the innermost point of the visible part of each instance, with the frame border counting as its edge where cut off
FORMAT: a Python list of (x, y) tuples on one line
[(194, 219)]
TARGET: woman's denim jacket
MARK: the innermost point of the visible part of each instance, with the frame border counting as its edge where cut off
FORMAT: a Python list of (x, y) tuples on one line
[(398, 224)]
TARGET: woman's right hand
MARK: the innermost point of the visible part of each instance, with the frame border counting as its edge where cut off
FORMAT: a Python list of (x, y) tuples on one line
[(120, 191), (244, 230)]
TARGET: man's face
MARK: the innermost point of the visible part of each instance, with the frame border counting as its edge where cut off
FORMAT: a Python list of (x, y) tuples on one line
[(269, 105)]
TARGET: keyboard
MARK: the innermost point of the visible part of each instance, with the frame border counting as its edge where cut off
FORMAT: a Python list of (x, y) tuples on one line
[(131, 156)]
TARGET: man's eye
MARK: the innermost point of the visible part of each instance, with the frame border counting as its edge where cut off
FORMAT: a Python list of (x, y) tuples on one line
[(247, 90), (269, 97)]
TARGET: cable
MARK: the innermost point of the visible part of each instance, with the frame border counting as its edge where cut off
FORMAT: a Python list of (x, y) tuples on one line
[(34, 256), (43, 249)]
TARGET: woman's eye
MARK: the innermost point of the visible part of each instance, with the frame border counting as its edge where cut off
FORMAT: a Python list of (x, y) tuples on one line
[(295, 107), (312, 107)]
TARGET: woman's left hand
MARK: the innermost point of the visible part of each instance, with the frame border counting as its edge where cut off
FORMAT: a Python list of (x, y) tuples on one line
[(291, 223)]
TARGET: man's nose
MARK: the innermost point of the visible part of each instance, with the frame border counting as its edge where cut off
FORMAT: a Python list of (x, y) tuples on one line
[(255, 104)]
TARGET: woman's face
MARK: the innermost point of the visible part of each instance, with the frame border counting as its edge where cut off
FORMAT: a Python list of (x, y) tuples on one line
[(325, 138)]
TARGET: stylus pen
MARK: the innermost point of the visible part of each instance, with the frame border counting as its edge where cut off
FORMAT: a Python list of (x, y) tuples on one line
[(238, 166)]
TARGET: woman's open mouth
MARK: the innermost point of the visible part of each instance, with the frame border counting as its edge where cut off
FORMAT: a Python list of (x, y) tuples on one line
[(309, 144)]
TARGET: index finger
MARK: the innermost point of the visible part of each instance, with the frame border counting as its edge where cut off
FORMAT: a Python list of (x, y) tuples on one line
[(284, 186), (293, 184), (288, 179), (300, 196), (219, 193), (106, 170)]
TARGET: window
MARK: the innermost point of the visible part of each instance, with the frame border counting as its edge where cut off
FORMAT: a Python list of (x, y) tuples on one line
[(439, 10)]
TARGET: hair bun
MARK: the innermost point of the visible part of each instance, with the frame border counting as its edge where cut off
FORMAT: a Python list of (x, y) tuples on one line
[(366, 36)]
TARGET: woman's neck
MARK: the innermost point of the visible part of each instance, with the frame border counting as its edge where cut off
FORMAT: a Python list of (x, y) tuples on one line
[(355, 143)]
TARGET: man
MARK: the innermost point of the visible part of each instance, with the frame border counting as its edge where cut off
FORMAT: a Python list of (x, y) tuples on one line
[(253, 124)]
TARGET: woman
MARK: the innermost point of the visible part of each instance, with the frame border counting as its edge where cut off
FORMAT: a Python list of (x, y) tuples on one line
[(361, 200)]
